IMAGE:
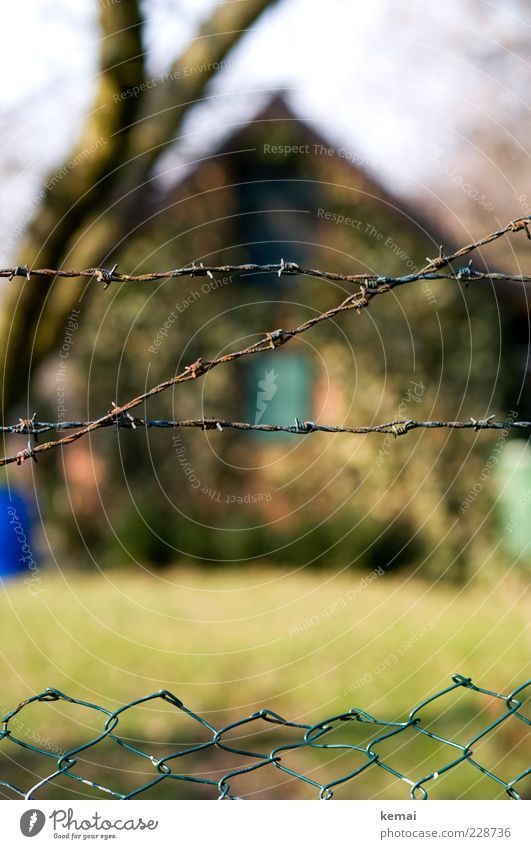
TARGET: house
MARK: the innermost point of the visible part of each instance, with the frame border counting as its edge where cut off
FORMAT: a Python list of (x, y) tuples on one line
[(276, 188)]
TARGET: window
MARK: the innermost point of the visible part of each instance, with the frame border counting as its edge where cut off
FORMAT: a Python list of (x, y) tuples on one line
[(279, 390)]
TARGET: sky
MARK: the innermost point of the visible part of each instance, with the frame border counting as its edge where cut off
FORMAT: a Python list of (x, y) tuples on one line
[(392, 80)]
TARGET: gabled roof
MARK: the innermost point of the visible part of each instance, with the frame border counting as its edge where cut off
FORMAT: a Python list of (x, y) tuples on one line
[(277, 110)]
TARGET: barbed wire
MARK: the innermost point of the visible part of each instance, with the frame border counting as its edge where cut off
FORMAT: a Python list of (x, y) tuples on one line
[(70, 764), (106, 276), (396, 427), (372, 286)]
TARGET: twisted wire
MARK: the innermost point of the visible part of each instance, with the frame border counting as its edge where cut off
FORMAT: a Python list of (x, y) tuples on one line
[(431, 271), (371, 286), (172, 768)]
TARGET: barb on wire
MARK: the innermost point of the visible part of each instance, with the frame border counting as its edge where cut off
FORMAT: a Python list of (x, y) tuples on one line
[(358, 301), (514, 226), (376, 283), (177, 766), (396, 427)]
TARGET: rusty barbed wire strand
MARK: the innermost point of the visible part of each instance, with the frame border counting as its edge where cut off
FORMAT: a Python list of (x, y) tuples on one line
[(291, 738), (514, 226), (372, 286), (396, 427), (429, 272)]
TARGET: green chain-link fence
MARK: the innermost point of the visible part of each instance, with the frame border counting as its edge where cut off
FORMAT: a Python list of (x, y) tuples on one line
[(331, 734)]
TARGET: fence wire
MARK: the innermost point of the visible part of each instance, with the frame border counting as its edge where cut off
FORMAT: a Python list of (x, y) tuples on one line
[(171, 767), (431, 271), (396, 427), (371, 285)]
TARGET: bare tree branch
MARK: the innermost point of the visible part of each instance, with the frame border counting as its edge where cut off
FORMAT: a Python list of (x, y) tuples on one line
[(165, 106), (114, 157)]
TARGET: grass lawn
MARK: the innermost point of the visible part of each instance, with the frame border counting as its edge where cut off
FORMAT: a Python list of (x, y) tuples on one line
[(306, 645)]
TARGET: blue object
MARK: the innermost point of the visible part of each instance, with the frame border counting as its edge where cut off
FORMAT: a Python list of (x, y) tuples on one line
[(16, 525)]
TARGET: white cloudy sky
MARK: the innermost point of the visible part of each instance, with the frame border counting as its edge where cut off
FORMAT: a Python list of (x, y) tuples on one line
[(387, 78)]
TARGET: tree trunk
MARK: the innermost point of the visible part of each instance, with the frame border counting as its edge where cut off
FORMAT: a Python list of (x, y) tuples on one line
[(87, 212)]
